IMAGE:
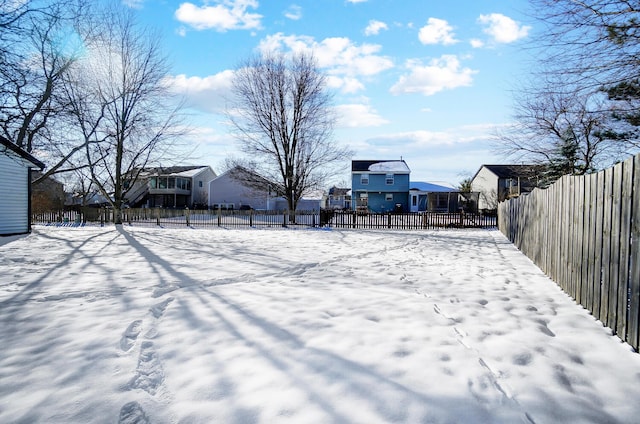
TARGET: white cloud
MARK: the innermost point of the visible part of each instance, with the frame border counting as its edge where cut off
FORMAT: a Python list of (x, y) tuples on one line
[(134, 4), (347, 85), (444, 73), (225, 15), (358, 116), (357, 1), (293, 12), (375, 27), (437, 31), (339, 56), (502, 28), (206, 94), (476, 43)]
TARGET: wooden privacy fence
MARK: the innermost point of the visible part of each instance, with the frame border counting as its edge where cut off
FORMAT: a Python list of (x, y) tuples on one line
[(251, 218), (584, 233)]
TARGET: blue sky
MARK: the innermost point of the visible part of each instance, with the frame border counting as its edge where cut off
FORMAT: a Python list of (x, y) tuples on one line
[(424, 80)]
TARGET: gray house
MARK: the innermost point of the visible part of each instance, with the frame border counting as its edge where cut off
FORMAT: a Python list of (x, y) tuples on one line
[(15, 188), (227, 192), (496, 183)]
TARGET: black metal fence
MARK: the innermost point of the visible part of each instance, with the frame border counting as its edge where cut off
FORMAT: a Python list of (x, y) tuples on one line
[(256, 219)]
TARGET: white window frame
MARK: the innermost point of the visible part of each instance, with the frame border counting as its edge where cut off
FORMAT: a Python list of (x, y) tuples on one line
[(389, 179), (364, 179)]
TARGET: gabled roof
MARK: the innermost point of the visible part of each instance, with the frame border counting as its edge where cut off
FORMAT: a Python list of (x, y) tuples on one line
[(513, 171), (382, 166), (430, 187), (188, 170), (336, 191), (20, 152)]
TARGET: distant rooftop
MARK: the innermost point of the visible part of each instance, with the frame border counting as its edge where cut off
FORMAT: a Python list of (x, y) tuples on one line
[(430, 187), (397, 166)]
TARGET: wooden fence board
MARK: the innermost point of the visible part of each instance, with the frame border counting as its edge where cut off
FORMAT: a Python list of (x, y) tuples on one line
[(606, 246), (625, 242), (578, 248), (614, 252), (634, 261)]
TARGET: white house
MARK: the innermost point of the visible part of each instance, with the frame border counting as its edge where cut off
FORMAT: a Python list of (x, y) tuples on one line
[(495, 183), (15, 188), (172, 187)]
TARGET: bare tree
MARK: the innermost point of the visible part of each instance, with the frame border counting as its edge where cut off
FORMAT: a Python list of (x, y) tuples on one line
[(124, 112), (567, 132), (581, 110), (592, 43), (38, 45), (282, 116)]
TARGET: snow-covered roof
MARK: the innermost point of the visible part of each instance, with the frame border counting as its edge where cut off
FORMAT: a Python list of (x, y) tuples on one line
[(189, 173), (395, 166), (431, 187)]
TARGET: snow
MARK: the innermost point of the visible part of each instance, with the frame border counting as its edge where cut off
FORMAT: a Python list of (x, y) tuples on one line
[(396, 166), (152, 325)]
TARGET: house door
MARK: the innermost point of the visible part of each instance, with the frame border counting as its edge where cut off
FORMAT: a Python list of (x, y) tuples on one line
[(414, 203)]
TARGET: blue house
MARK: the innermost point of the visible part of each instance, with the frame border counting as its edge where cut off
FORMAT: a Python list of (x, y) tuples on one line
[(380, 185)]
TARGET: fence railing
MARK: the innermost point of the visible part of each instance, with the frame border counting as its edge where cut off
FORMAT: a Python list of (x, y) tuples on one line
[(584, 233), (407, 221), (251, 218)]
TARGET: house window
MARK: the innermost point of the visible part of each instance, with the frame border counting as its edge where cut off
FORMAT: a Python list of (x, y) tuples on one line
[(199, 183), (388, 197), (364, 179), (442, 201), (389, 179)]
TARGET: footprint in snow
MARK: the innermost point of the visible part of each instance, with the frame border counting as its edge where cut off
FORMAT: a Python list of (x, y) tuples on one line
[(130, 335), (158, 309), (132, 413), (149, 374)]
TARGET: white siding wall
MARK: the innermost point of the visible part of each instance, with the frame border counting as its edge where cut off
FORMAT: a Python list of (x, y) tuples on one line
[(14, 194), (486, 183), (226, 190), (201, 194)]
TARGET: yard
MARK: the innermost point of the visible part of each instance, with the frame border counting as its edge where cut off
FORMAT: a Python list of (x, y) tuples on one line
[(152, 325)]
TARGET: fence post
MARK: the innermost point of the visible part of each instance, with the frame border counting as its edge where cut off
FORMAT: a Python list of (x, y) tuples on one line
[(389, 220), (284, 218), (101, 213), (219, 218), (461, 219), (187, 215), (158, 217), (250, 217)]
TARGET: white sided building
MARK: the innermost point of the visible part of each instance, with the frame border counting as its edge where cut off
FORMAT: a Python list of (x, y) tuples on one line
[(15, 188)]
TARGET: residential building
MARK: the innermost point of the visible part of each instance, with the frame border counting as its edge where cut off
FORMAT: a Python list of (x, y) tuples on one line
[(339, 198), (433, 197), (171, 187), (238, 188), (227, 191), (15, 188), (495, 183), (380, 185), (47, 195)]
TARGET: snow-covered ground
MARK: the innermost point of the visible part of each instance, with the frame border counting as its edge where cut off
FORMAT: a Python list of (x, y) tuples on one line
[(148, 325)]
